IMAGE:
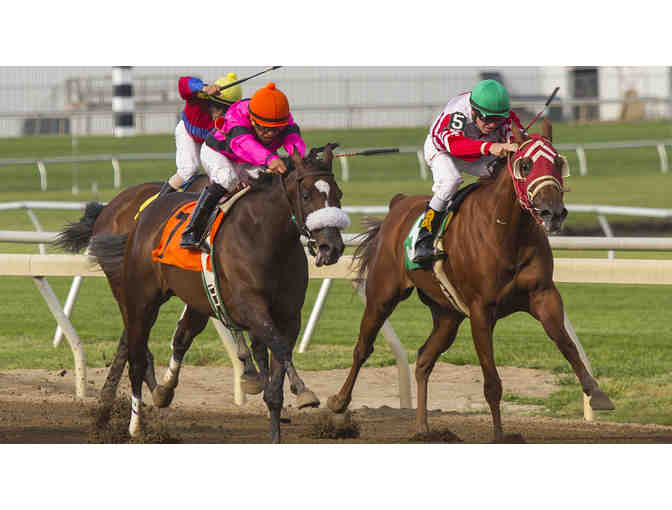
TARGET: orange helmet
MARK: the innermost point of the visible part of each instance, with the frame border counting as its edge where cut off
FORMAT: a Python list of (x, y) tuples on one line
[(269, 107)]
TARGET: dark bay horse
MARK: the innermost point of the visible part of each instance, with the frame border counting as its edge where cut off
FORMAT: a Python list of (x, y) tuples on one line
[(118, 216), (499, 261), (261, 267)]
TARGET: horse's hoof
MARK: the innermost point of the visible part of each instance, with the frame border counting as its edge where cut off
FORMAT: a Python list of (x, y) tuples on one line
[(163, 396), (341, 420), (252, 385), (337, 404), (600, 402), (307, 399)]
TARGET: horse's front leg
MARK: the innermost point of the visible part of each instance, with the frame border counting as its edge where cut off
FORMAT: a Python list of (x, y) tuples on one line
[(483, 319), (546, 306), (191, 323)]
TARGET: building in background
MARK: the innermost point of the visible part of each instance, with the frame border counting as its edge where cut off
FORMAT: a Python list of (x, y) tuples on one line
[(78, 100)]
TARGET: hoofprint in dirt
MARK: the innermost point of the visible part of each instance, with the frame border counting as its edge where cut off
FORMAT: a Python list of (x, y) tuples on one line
[(38, 406)]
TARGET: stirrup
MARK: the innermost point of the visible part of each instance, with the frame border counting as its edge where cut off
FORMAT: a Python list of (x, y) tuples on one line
[(424, 255), (188, 242)]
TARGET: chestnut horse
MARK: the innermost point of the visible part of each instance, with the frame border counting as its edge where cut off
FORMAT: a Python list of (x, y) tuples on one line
[(499, 261), (261, 268)]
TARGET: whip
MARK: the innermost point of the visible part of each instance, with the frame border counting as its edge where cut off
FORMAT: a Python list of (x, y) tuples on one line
[(368, 152), (550, 98), (249, 77)]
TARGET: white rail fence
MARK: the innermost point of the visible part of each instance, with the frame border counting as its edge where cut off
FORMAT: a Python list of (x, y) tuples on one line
[(622, 271), (580, 149)]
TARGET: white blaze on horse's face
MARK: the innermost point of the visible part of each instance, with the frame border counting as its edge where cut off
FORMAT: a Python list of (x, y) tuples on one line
[(327, 216), (323, 187)]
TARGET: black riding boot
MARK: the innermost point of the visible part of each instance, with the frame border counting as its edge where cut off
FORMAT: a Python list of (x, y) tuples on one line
[(165, 189), (424, 244), (193, 234)]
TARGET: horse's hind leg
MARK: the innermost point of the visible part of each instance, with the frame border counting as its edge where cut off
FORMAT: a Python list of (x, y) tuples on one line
[(482, 324), (188, 327), (378, 309), (446, 324), (139, 321), (546, 306), (109, 390)]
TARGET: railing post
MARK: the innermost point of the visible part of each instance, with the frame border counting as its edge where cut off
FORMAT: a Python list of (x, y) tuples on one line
[(422, 163), (663, 158), (117, 173), (581, 154), (43, 175), (606, 228), (345, 169), (315, 314)]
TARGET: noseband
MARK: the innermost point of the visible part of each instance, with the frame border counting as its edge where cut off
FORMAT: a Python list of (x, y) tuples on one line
[(298, 215), (543, 174)]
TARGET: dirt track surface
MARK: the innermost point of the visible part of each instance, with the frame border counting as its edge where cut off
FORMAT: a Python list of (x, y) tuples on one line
[(38, 406)]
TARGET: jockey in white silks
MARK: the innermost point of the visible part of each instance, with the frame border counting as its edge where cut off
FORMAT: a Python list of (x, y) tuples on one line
[(473, 129), (203, 104)]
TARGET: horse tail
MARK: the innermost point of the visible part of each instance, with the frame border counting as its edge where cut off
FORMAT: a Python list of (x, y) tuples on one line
[(108, 251), (366, 250), (76, 235)]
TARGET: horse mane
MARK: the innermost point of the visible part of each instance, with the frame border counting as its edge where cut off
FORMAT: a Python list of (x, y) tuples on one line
[(495, 170)]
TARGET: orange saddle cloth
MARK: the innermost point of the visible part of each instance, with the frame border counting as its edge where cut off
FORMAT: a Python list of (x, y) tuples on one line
[(169, 251)]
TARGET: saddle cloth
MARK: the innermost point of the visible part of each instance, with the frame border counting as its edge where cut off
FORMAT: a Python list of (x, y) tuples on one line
[(409, 241), (169, 251)]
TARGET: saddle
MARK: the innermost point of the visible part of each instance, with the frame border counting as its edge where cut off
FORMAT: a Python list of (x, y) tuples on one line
[(409, 241)]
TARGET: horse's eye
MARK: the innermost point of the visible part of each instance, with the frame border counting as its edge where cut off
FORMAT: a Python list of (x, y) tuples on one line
[(525, 167), (306, 195)]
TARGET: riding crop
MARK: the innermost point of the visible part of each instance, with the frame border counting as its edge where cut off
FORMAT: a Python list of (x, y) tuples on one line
[(367, 152), (273, 68), (550, 98)]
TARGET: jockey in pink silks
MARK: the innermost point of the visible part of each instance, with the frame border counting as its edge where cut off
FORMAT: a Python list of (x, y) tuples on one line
[(242, 145)]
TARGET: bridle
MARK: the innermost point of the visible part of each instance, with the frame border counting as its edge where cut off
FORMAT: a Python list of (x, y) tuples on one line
[(298, 214), (544, 172)]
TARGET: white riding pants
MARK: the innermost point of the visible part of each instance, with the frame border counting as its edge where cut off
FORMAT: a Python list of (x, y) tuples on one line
[(447, 172), (188, 154), (225, 172)]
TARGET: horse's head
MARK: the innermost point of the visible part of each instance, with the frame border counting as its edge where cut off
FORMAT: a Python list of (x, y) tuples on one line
[(537, 171), (316, 204)]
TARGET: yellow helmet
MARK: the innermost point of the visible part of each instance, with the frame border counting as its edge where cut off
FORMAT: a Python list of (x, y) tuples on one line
[(230, 95)]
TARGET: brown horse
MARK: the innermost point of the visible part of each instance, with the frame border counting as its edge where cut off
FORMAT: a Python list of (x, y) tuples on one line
[(499, 261), (261, 268), (118, 216)]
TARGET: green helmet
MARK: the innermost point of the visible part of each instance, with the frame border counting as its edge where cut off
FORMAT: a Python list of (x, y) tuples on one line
[(489, 97)]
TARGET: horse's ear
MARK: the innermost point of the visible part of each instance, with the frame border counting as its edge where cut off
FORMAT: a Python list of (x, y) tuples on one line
[(517, 134), (296, 157), (329, 153), (547, 130)]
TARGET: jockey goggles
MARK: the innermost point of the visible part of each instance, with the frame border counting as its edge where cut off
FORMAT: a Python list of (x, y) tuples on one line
[(489, 119)]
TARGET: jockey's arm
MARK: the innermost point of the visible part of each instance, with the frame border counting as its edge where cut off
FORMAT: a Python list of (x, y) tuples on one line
[(292, 138), (189, 86), (249, 149)]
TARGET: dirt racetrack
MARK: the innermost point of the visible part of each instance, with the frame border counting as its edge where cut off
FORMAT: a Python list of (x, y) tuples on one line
[(38, 406)]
